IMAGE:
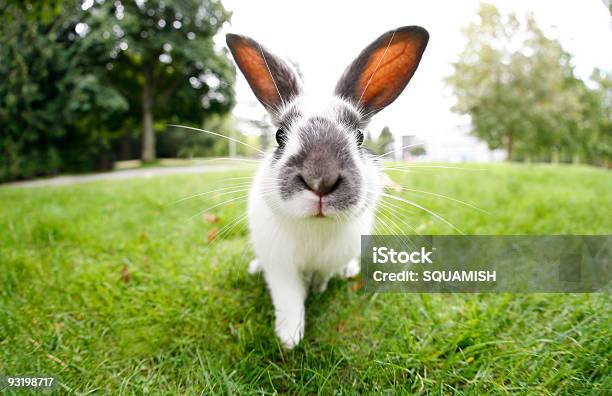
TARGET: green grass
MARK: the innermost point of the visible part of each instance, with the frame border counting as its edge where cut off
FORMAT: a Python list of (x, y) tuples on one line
[(190, 320)]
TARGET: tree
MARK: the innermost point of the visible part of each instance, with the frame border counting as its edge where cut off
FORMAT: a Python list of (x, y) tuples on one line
[(381, 145), (77, 78), (369, 142), (385, 140), (518, 86), (55, 112), (598, 142), (417, 151), (162, 58), (184, 143)]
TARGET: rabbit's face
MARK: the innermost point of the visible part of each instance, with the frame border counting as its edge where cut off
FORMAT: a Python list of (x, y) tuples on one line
[(319, 168)]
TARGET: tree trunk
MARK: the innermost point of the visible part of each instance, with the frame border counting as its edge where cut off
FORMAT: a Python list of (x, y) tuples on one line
[(554, 158), (509, 147), (125, 149), (148, 133)]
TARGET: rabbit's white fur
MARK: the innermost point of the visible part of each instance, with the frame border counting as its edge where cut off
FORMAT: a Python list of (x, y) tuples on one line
[(294, 250), (306, 219), (287, 249)]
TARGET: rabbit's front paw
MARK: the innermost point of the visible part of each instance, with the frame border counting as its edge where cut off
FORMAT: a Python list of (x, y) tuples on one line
[(319, 282), (290, 332), (254, 267), (351, 269)]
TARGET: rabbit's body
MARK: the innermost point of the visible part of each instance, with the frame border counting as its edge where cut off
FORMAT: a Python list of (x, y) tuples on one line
[(297, 254), (316, 193), (317, 245)]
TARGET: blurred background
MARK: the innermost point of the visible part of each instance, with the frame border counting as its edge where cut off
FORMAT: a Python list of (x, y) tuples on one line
[(93, 85), (140, 286)]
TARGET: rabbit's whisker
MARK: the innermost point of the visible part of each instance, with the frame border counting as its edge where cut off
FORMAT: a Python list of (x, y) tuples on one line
[(217, 134), (271, 76), (397, 211), (437, 216), (446, 197), (239, 185), (398, 230), (215, 206), (229, 227), (377, 67), (403, 222), (219, 159), (401, 167), (401, 148)]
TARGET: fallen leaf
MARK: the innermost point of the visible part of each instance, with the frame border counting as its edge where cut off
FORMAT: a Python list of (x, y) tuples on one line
[(212, 234), (356, 286), (212, 218), (125, 274), (56, 360), (341, 326), (390, 184)]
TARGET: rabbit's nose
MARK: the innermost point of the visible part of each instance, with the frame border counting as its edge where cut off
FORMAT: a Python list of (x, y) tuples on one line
[(322, 185)]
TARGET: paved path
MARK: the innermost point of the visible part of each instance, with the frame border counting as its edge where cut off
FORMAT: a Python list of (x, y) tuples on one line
[(122, 174)]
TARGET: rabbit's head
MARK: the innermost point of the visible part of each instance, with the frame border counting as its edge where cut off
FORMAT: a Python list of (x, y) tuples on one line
[(319, 168)]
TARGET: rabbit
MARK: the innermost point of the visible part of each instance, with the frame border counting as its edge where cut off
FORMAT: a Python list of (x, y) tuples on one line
[(315, 194)]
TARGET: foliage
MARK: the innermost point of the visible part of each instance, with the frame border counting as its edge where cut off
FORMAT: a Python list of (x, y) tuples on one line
[(55, 111), (417, 151), (188, 143), (598, 144), (36, 10), (162, 56), (73, 77), (381, 145), (109, 288), (519, 88)]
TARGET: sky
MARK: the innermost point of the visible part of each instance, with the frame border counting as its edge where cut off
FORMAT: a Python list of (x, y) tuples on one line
[(323, 37)]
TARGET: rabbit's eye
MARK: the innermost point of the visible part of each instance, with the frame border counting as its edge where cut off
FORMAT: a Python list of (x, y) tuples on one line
[(359, 135), (281, 136)]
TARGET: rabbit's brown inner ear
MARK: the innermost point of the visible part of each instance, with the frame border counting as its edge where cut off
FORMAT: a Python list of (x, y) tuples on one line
[(389, 69), (387, 73), (253, 66), (381, 71)]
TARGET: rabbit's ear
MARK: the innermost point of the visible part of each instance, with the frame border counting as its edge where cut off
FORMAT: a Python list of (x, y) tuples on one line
[(271, 79), (382, 70)]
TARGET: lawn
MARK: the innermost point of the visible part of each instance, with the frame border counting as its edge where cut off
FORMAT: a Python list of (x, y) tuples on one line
[(115, 288)]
